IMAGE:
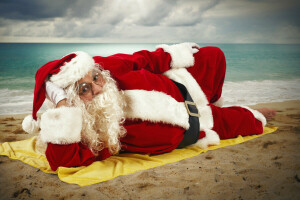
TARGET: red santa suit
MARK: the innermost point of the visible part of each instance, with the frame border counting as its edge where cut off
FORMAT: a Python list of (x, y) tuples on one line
[(156, 117)]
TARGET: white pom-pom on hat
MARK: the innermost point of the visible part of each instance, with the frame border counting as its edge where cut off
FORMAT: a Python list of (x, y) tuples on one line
[(30, 125)]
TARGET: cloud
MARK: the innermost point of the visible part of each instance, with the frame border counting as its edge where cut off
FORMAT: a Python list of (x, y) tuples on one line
[(266, 10), (188, 14), (153, 12), (44, 9), (150, 21)]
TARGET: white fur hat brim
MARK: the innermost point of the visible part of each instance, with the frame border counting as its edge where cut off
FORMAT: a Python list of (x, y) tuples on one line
[(73, 70)]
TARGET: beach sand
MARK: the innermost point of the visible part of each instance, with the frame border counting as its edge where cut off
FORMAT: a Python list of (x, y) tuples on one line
[(267, 167)]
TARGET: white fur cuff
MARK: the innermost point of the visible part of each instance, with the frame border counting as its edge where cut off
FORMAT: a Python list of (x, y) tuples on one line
[(211, 138), (61, 125), (219, 102), (181, 54)]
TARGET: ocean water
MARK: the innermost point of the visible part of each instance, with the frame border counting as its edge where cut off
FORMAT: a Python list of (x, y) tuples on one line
[(256, 73)]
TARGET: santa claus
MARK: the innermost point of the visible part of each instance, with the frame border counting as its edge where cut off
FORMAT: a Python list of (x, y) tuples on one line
[(147, 102)]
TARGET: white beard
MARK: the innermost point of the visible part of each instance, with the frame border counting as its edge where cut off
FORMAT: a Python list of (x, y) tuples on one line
[(103, 118)]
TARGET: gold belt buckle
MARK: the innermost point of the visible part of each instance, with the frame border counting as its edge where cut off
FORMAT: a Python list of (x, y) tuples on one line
[(186, 103)]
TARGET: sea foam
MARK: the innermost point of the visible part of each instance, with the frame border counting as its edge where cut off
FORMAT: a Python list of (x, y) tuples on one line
[(254, 92), (234, 93)]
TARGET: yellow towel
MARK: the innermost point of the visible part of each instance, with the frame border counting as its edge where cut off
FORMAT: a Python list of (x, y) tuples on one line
[(112, 167)]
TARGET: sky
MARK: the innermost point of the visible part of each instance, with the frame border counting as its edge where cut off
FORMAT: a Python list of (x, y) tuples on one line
[(150, 21)]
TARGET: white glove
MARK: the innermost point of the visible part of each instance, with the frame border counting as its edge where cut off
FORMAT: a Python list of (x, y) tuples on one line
[(55, 93), (181, 54), (191, 46)]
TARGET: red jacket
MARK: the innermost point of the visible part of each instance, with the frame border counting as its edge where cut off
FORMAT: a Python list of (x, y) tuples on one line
[(158, 119)]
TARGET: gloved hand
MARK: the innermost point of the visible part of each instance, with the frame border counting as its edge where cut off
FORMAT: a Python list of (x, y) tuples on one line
[(191, 46), (181, 54), (55, 94)]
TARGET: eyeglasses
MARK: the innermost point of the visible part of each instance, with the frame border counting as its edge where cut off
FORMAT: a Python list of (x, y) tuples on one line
[(85, 89)]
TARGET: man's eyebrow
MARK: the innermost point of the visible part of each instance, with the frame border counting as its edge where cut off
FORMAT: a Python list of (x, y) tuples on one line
[(94, 72)]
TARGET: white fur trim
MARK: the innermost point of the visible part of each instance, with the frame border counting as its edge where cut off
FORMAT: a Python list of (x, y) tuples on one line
[(206, 119), (30, 125), (74, 70), (257, 115), (181, 54), (61, 125), (211, 138), (219, 102), (155, 107), (49, 104), (184, 77)]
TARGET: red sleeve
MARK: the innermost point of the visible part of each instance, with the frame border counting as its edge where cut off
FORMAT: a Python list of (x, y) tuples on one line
[(72, 155), (156, 61)]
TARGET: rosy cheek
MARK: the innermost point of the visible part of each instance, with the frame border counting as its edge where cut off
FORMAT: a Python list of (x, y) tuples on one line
[(86, 99)]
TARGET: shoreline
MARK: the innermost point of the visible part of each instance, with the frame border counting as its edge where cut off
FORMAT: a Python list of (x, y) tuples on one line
[(258, 105), (245, 92), (267, 167)]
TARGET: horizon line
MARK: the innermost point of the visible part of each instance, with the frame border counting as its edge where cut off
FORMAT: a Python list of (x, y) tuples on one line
[(8, 42)]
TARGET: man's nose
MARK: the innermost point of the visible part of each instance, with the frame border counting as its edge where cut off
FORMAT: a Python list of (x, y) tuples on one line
[(97, 89)]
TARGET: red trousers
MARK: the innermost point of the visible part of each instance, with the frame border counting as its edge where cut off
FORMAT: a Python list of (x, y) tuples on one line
[(209, 72)]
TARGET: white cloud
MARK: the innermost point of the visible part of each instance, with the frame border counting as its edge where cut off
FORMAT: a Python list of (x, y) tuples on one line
[(157, 21), (246, 8)]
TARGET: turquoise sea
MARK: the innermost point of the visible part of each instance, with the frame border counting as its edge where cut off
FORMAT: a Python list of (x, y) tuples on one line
[(256, 73)]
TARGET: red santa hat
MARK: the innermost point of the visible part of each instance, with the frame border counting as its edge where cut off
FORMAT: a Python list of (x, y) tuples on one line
[(64, 72)]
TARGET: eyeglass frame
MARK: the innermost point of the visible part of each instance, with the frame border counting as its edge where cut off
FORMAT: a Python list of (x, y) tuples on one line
[(89, 84)]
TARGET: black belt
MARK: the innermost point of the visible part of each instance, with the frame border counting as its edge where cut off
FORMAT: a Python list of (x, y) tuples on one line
[(191, 135)]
